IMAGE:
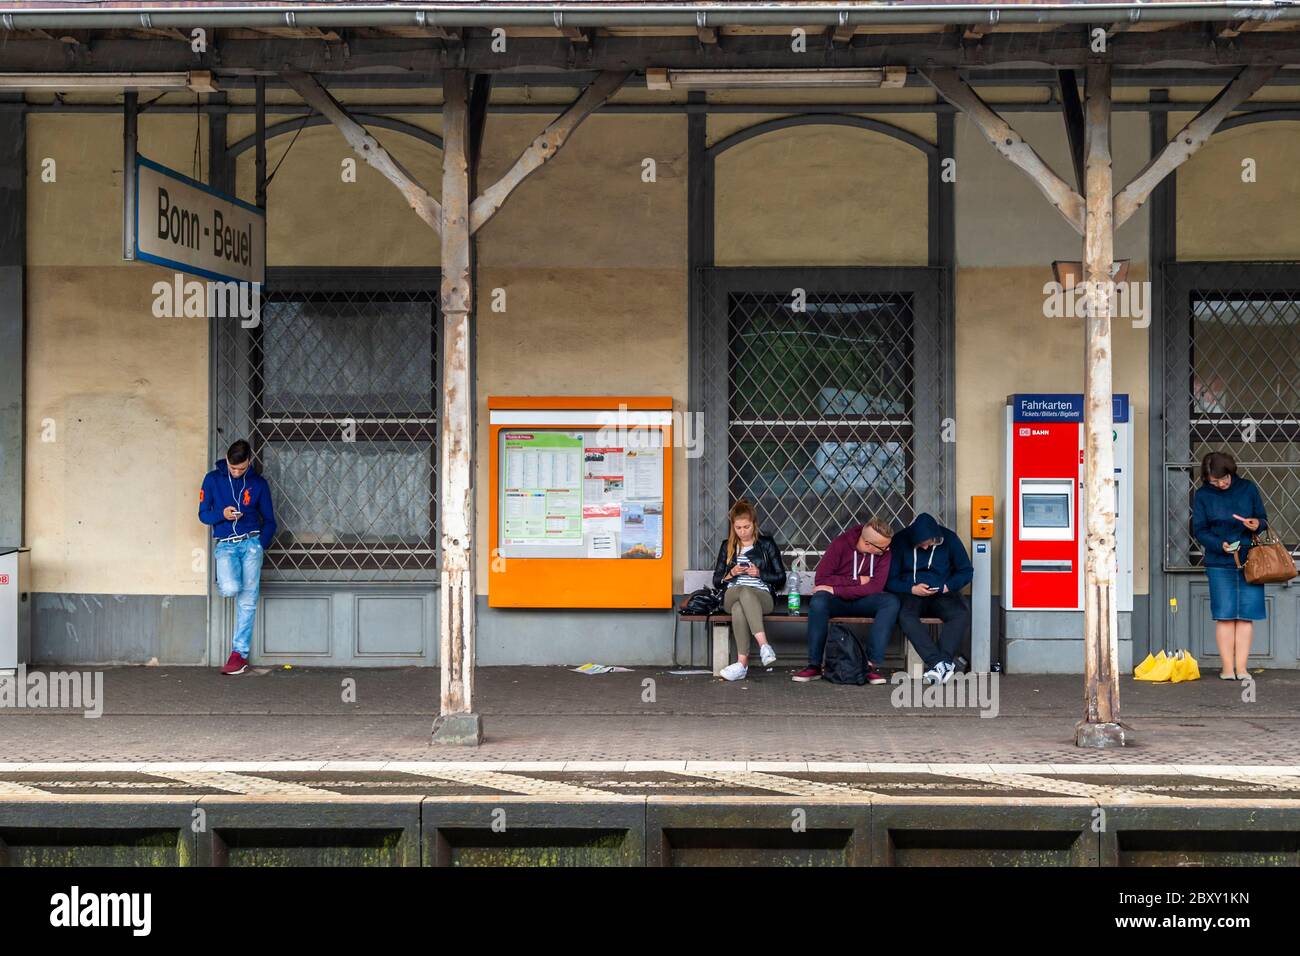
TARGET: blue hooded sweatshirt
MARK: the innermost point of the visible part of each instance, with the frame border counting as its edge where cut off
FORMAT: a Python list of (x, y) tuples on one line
[(248, 493), (1213, 522), (945, 563)]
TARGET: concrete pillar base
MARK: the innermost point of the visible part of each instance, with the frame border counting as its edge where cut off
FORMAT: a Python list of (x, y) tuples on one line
[(1100, 736), (465, 730)]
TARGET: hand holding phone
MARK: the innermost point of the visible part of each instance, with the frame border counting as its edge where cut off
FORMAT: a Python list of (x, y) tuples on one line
[(1252, 524)]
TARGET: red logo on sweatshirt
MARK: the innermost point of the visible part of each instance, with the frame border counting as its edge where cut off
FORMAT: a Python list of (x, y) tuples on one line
[(200, 494), (248, 497)]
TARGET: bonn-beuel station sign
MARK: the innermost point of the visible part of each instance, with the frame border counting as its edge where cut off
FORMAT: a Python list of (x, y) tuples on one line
[(190, 227)]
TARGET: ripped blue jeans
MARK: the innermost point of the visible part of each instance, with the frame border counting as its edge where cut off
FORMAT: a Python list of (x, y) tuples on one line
[(239, 575)]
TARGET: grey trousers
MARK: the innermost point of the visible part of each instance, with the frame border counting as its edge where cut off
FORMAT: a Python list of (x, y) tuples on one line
[(746, 606)]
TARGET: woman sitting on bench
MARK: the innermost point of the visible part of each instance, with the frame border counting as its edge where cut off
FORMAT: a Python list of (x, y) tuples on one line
[(749, 567)]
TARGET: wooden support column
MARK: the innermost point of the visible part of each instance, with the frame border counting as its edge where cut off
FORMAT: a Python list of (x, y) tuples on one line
[(456, 220), (1100, 726), (457, 723)]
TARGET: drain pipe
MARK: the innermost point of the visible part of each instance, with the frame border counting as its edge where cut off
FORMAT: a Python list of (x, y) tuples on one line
[(650, 15)]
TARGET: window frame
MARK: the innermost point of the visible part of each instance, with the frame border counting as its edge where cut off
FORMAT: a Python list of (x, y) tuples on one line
[(930, 462), (342, 561)]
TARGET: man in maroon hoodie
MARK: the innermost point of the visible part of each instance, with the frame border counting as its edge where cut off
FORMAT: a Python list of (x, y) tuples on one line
[(850, 582)]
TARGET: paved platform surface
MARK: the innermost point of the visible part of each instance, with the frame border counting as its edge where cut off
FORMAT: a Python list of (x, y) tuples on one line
[(169, 714)]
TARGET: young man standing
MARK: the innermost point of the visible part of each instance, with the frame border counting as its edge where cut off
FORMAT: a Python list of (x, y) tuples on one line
[(850, 582), (930, 568), (236, 501)]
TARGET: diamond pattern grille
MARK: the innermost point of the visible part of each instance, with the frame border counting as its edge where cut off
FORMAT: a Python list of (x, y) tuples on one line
[(1232, 361), (821, 413), (337, 392)]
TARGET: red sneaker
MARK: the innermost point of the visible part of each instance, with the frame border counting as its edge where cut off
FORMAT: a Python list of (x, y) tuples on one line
[(807, 674), (874, 676), (237, 664)]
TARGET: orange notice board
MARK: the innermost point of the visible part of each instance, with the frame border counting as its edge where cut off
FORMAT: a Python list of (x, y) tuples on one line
[(581, 502)]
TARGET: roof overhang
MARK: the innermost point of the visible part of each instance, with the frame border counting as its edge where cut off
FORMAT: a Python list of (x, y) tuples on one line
[(107, 14)]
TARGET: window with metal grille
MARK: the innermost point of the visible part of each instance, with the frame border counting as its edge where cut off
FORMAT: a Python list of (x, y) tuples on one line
[(834, 394), (820, 411), (1237, 347), (337, 391)]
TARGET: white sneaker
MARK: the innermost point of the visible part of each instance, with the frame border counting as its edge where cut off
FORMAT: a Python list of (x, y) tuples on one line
[(949, 669), (934, 675), (736, 671), (766, 655)]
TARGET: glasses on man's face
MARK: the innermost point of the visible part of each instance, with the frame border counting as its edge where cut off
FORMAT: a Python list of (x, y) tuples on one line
[(873, 547)]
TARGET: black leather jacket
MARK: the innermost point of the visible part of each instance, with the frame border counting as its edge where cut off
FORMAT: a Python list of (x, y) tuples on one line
[(765, 554)]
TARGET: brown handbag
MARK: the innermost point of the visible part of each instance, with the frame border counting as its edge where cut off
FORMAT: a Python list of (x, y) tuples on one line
[(1269, 561)]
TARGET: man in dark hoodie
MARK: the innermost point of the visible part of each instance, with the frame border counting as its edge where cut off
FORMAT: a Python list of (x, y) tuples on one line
[(929, 568), (850, 582), (236, 501)]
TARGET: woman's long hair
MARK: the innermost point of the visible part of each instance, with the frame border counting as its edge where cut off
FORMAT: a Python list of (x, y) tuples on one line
[(741, 509)]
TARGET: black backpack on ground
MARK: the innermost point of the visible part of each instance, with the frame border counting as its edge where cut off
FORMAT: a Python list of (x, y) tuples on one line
[(846, 661)]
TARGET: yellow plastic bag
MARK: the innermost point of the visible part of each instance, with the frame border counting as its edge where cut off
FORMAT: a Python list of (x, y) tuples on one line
[(1154, 668), (1140, 672), (1160, 671), (1185, 668)]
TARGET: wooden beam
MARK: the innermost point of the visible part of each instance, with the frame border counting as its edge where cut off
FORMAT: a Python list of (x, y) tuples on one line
[(1236, 28), (367, 147), (457, 723), (1189, 139), (1009, 143), (544, 147), (1045, 50), (1072, 111), (1100, 726)]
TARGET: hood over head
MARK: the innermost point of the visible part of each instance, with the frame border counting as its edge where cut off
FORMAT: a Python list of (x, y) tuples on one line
[(922, 529)]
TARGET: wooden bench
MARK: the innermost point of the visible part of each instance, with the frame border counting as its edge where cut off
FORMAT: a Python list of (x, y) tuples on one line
[(720, 637), (720, 624)]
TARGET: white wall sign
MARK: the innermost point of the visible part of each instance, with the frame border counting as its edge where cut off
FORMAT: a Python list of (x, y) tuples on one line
[(191, 227)]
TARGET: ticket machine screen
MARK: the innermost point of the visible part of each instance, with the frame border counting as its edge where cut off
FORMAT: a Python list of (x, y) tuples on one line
[(1046, 511)]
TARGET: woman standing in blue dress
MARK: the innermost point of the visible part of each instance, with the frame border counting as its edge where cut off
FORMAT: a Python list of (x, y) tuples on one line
[(1227, 511)]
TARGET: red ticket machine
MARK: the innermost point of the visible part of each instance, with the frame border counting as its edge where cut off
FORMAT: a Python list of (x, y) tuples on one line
[(1044, 544)]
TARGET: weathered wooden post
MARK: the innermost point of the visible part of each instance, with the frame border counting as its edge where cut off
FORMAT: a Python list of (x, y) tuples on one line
[(457, 722), (456, 219), (1096, 218), (1100, 726)]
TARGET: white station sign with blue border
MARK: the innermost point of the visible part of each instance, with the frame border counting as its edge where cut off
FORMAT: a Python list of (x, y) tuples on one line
[(190, 227)]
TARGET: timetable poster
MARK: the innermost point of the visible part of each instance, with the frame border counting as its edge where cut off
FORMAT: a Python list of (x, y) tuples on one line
[(575, 495), (543, 488)]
